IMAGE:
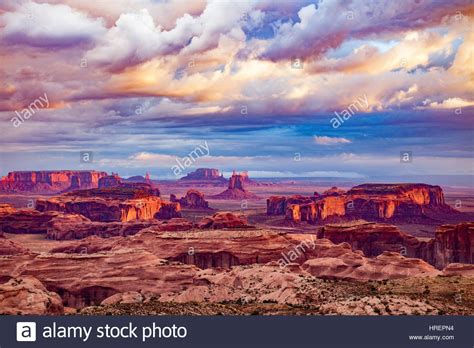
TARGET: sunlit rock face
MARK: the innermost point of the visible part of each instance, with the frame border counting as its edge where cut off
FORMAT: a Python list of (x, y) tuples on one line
[(50, 181), (126, 202), (368, 201)]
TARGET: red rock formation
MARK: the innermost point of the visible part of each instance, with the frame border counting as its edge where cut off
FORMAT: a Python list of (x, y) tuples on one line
[(454, 244), (28, 296), (205, 174), (110, 181), (49, 181), (375, 238), (72, 226), (223, 220), (459, 269), (352, 266), (87, 279), (25, 221), (374, 202), (224, 248), (8, 247), (193, 200), (334, 191), (126, 202), (236, 189)]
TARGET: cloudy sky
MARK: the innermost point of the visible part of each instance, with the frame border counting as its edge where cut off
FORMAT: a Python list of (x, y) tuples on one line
[(141, 83)]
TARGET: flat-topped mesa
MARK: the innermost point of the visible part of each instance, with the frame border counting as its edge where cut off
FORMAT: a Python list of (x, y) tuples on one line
[(377, 202), (125, 202), (236, 189), (194, 199), (53, 181), (205, 174)]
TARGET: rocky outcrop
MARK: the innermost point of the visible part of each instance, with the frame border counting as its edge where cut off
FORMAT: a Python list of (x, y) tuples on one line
[(459, 269), (223, 220), (74, 226), (388, 265), (120, 203), (375, 238), (454, 244), (193, 200), (373, 202), (27, 296), (49, 181), (88, 279), (110, 181), (205, 175), (236, 189), (226, 248), (25, 221), (8, 247)]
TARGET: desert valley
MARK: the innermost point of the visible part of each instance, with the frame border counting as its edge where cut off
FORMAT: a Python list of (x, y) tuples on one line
[(89, 242)]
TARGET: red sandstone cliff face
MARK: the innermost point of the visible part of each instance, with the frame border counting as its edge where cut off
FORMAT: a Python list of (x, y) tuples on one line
[(49, 181), (375, 238), (110, 181), (26, 221), (124, 203), (236, 189), (193, 200), (369, 202), (454, 244)]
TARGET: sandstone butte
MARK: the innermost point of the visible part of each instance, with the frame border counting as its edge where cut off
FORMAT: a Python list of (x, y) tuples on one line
[(204, 176), (126, 202), (367, 201), (236, 189), (48, 182), (193, 200)]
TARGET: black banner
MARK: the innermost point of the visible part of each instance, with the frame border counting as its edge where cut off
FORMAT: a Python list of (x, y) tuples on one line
[(252, 331)]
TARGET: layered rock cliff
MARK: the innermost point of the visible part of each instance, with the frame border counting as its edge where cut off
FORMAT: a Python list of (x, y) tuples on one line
[(49, 181), (368, 201), (454, 244), (126, 202)]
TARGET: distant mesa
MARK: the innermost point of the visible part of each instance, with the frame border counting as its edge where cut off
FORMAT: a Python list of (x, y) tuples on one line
[(372, 202), (49, 182), (194, 199), (236, 189), (204, 177), (139, 178)]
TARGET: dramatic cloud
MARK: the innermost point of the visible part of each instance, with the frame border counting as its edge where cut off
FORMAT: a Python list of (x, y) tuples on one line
[(49, 25), (142, 82)]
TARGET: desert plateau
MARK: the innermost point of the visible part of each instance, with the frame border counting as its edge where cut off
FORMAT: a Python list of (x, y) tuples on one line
[(90, 243)]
